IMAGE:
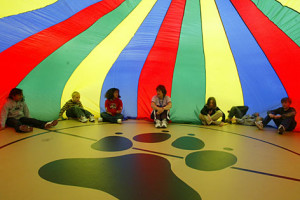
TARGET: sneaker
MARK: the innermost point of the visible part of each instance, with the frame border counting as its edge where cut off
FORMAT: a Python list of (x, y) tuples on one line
[(119, 121), (281, 129), (259, 125), (83, 119), (164, 123), (25, 128), (157, 123), (100, 119), (92, 118), (51, 124)]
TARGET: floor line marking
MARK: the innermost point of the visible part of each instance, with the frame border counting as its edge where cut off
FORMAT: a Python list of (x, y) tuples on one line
[(264, 173), (73, 135)]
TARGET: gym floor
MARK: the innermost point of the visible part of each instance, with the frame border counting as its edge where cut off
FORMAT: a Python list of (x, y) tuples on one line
[(134, 160)]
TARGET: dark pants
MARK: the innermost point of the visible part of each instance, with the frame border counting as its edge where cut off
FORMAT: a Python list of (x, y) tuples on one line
[(109, 118), (238, 111), (161, 116), (77, 112), (288, 123), (16, 123)]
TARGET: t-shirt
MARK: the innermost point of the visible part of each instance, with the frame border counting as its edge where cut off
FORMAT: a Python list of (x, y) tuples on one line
[(161, 102), (113, 105)]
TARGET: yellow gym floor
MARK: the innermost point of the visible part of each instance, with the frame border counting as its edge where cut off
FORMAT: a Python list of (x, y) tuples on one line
[(134, 160)]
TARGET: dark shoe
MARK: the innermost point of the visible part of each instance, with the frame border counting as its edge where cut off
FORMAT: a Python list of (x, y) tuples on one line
[(25, 128), (281, 129)]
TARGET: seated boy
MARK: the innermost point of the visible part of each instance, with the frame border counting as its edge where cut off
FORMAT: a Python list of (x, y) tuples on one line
[(284, 117)]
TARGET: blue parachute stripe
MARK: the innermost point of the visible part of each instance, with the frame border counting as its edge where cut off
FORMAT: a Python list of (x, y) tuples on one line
[(262, 89), (16, 28), (125, 72)]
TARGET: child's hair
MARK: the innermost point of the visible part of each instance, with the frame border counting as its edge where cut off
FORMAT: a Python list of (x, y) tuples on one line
[(286, 99), (162, 89), (75, 93), (213, 100), (14, 92), (110, 93)]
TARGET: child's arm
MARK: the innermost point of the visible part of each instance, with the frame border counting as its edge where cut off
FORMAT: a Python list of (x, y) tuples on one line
[(153, 106), (3, 117), (120, 107), (63, 109), (26, 110), (204, 110), (168, 106), (292, 113)]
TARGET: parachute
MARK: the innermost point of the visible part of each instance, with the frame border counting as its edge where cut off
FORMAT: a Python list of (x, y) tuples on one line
[(242, 52)]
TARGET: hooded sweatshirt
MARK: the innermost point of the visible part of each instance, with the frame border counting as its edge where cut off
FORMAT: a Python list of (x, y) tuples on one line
[(14, 109)]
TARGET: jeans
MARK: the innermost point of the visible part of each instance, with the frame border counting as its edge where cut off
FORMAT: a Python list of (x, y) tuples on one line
[(109, 118), (16, 123), (77, 112), (289, 123), (161, 116), (238, 111)]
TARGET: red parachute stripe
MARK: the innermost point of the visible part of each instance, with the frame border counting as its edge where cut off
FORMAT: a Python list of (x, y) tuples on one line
[(18, 60), (282, 52), (159, 66)]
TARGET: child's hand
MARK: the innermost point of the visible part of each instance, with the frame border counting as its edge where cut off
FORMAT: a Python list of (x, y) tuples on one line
[(160, 110), (271, 115), (109, 113), (277, 116)]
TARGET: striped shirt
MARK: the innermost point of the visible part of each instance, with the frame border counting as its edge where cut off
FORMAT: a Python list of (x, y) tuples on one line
[(69, 104)]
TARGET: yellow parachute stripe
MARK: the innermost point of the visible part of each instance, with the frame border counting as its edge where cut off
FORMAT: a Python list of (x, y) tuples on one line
[(89, 76), (14, 7), (222, 80), (293, 4)]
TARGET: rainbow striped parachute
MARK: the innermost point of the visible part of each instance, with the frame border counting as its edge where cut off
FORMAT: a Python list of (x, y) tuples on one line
[(243, 52)]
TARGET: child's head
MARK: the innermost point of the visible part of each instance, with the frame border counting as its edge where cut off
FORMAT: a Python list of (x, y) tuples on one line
[(112, 93), (161, 91), (75, 96), (211, 102), (286, 102), (16, 94)]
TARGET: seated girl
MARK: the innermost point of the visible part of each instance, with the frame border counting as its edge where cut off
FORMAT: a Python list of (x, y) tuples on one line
[(210, 113), (74, 109), (161, 105), (113, 107), (15, 114)]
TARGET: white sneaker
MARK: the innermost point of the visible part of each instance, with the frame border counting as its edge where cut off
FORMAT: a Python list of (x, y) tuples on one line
[(119, 121), (100, 119), (83, 119), (164, 123), (281, 129), (51, 124), (157, 123), (92, 118), (259, 125)]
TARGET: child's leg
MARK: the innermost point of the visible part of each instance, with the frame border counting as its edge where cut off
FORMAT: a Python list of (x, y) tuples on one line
[(266, 120), (86, 113), (217, 115), (75, 112), (108, 118), (14, 123), (242, 110), (155, 116), (288, 123), (204, 119), (164, 115), (33, 122)]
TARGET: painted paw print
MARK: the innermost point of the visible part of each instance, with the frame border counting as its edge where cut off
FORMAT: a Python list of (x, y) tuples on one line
[(139, 175)]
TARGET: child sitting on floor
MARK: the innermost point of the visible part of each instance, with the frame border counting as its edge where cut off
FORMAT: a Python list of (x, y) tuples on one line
[(113, 107), (210, 113), (237, 112), (284, 117), (161, 105), (74, 109), (15, 114)]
